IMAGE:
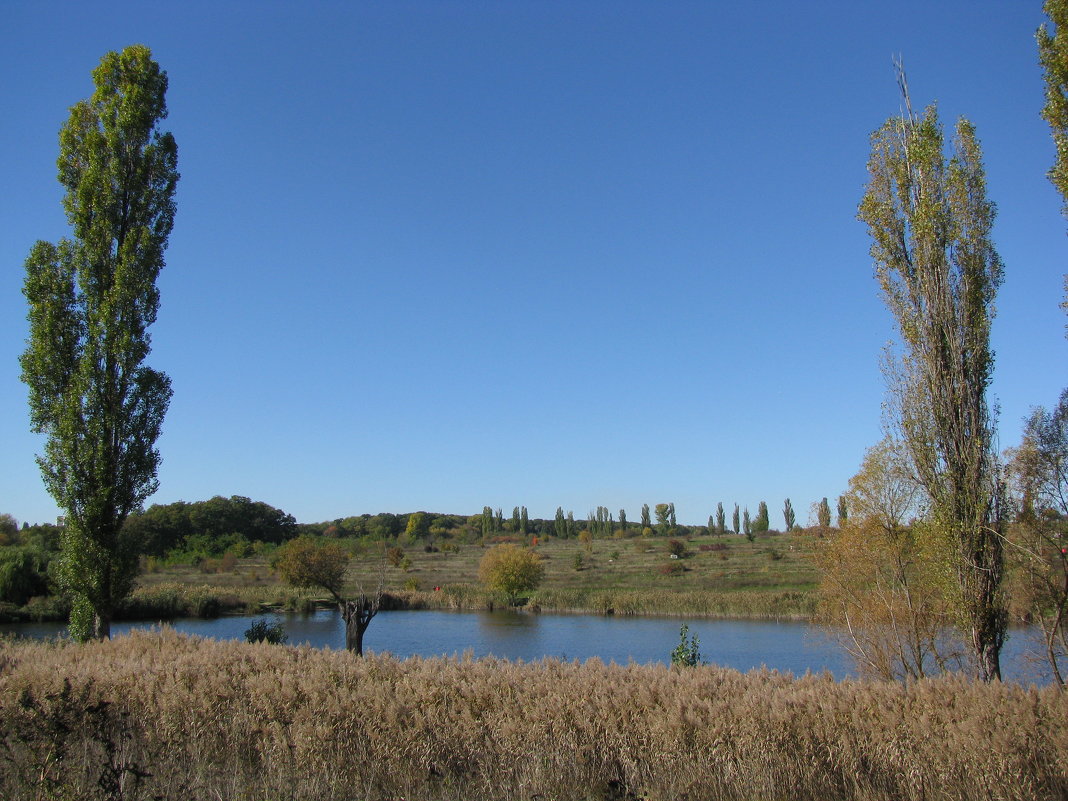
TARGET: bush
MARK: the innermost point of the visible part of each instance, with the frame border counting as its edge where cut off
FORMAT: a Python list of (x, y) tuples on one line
[(677, 548), (23, 574), (715, 546), (672, 568), (262, 631), (686, 654), (511, 570)]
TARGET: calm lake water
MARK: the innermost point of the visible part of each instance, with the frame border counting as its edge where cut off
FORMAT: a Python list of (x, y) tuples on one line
[(739, 644)]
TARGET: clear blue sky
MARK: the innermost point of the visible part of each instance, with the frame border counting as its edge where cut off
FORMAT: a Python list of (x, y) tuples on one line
[(441, 255)]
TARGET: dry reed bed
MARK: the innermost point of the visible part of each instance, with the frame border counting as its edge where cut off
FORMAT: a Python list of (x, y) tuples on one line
[(228, 720)]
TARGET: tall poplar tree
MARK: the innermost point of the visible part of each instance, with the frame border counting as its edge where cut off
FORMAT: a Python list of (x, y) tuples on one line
[(91, 300), (762, 522), (1053, 54), (721, 519), (823, 512), (930, 222)]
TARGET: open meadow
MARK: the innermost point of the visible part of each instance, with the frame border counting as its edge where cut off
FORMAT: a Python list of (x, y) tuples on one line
[(772, 577)]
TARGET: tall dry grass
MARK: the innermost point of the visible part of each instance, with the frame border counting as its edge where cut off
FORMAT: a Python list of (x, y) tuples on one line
[(157, 714)]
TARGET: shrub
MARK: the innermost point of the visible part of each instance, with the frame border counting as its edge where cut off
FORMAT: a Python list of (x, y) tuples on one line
[(673, 568), (395, 556), (23, 574), (686, 654), (262, 631), (511, 570), (677, 548)]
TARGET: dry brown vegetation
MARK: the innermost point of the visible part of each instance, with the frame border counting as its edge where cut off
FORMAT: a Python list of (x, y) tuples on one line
[(156, 714)]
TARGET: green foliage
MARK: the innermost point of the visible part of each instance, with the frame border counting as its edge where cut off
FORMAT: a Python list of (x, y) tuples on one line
[(788, 516), (823, 513), (665, 518), (172, 527), (843, 511), (1053, 54), (511, 570), (418, 527), (930, 223), (91, 300), (735, 523), (264, 631), (303, 562), (23, 573), (721, 519), (761, 523), (688, 652)]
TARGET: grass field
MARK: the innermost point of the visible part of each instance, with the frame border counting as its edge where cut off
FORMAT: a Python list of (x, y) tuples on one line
[(774, 576)]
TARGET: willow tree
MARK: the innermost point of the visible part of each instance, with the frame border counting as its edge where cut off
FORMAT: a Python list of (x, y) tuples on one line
[(930, 222), (303, 562), (91, 300)]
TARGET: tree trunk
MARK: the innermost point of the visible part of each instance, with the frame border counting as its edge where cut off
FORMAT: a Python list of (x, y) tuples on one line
[(357, 615), (101, 626)]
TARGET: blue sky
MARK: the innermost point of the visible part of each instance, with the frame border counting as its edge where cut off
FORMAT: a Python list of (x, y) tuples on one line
[(442, 255)]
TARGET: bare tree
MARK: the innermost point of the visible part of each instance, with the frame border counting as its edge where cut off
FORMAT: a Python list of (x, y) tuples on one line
[(1039, 469), (881, 576)]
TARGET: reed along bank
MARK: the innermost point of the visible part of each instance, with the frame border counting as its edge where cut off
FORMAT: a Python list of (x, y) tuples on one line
[(157, 714)]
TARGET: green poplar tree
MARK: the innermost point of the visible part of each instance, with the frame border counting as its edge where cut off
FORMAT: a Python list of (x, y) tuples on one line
[(721, 519), (788, 515), (930, 224), (843, 511), (663, 518), (1053, 54), (91, 301), (761, 524), (646, 521), (823, 513), (734, 520)]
